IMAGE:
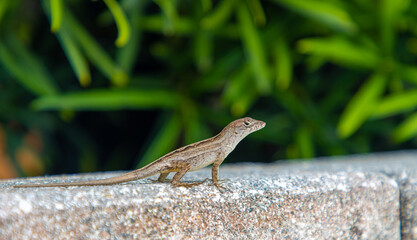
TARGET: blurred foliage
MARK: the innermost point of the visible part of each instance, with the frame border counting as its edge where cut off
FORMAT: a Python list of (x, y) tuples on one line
[(98, 85)]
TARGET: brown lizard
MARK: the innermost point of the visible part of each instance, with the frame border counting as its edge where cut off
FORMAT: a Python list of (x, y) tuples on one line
[(189, 158)]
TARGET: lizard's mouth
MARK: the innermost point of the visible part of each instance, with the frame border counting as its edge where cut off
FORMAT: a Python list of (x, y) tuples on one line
[(261, 125)]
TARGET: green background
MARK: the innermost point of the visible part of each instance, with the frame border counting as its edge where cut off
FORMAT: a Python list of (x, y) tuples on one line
[(107, 85)]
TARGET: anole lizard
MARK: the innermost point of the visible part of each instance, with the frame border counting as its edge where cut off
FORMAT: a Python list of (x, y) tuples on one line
[(189, 158)]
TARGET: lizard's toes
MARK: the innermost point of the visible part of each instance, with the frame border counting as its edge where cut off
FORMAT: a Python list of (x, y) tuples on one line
[(221, 188)]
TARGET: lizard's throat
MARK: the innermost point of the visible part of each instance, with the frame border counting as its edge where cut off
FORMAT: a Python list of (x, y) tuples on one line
[(233, 139)]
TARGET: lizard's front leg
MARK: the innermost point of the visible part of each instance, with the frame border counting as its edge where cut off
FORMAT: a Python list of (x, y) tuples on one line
[(215, 175), (183, 169)]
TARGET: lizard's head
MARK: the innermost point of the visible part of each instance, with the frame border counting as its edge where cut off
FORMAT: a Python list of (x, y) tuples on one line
[(245, 126)]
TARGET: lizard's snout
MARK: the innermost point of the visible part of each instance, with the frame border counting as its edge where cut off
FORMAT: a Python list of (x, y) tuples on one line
[(261, 124)]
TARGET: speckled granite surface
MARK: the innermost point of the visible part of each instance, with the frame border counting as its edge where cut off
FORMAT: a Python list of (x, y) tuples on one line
[(354, 197)]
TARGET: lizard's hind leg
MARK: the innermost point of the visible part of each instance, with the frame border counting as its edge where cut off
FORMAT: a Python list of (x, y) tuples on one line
[(162, 177), (183, 169)]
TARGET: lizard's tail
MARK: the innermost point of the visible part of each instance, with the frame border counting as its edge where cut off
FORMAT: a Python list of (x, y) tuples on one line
[(144, 172)]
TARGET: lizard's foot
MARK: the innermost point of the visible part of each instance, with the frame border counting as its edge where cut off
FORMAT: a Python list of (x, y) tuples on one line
[(181, 184), (220, 187), (223, 180)]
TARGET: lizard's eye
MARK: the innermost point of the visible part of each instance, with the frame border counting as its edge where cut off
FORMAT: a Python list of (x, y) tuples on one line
[(247, 123)]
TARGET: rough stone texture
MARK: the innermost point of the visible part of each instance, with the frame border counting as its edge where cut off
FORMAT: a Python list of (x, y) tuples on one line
[(400, 166), (354, 197)]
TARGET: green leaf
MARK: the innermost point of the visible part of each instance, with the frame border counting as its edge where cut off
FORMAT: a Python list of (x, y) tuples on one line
[(164, 141), (126, 56), (203, 50), (237, 84), (257, 11), (4, 5), (121, 22), (219, 15), (237, 94), (389, 13), (215, 78), (396, 103), (362, 105), (95, 53), (340, 51), (78, 62), (56, 14), (10, 64), (26, 68), (108, 100), (325, 12), (71, 49), (206, 5), (409, 73), (305, 143), (254, 48), (283, 64), (242, 105), (157, 23), (185, 27), (406, 129), (170, 15)]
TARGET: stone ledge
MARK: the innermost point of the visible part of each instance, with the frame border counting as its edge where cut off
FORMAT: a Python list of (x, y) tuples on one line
[(355, 197), (400, 166)]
